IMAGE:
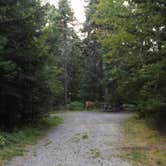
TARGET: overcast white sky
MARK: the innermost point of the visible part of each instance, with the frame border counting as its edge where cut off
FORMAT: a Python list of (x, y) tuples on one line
[(78, 8)]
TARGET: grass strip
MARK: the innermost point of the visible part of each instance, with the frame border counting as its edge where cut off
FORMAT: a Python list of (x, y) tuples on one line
[(143, 146), (15, 143)]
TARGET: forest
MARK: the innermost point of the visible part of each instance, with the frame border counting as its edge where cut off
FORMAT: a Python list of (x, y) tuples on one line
[(118, 59)]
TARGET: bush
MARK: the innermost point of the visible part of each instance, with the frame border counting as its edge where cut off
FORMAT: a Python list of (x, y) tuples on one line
[(76, 105), (2, 141), (13, 143), (129, 107)]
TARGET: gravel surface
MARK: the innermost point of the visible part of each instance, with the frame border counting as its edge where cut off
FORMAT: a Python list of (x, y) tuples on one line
[(85, 139)]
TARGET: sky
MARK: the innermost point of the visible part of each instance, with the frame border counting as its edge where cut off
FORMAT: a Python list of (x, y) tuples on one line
[(77, 6)]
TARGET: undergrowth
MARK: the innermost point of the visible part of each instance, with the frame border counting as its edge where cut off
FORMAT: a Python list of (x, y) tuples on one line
[(143, 145), (14, 143)]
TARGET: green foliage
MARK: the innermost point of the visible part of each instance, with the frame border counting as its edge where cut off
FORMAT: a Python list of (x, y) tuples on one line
[(75, 106), (92, 84), (65, 51), (14, 143), (24, 92), (35, 43), (2, 141), (21, 135), (50, 122), (131, 36), (43, 63)]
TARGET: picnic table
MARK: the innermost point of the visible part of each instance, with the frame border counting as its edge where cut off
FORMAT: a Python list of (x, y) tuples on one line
[(106, 107)]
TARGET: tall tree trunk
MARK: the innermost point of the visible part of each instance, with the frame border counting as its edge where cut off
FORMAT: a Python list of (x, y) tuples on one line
[(66, 82)]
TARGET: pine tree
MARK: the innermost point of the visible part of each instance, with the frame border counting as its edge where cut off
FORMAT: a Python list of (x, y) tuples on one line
[(92, 76), (23, 54)]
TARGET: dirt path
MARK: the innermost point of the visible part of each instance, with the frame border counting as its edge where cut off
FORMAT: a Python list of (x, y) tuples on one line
[(85, 139)]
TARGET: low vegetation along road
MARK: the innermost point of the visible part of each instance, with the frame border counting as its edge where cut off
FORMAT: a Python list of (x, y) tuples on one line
[(85, 139)]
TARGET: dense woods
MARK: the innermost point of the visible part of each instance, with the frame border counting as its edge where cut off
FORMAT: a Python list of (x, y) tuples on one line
[(132, 37), (44, 63)]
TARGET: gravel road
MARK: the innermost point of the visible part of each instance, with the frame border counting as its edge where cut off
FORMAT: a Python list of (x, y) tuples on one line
[(85, 139)]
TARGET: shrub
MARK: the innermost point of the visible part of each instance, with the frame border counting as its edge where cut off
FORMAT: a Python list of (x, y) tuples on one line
[(76, 105), (2, 141), (129, 107)]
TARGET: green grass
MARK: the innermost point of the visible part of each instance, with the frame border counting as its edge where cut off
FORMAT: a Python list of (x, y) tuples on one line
[(14, 144), (85, 136), (84, 110), (136, 156), (143, 145), (80, 136)]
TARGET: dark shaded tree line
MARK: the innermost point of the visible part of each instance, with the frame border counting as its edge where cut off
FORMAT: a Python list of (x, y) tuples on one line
[(39, 60), (23, 55)]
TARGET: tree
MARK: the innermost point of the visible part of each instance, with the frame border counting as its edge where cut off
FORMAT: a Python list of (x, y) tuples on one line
[(23, 53), (65, 49), (92, 74), (132, 36)]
